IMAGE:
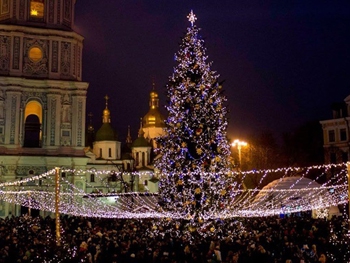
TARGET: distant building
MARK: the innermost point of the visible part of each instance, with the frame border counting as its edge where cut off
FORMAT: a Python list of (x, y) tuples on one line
[(336, 133)]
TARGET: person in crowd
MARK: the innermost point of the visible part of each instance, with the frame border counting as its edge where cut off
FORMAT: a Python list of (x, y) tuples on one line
[(94, 240), (322, 258)]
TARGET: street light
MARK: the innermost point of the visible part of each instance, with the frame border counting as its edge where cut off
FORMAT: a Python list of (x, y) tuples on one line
[(239, 145)]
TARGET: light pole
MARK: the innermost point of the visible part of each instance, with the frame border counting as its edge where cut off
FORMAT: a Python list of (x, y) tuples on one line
[(57, 206), (239, 145)]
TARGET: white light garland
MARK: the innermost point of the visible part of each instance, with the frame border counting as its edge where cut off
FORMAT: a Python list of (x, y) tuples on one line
[(245, 203)]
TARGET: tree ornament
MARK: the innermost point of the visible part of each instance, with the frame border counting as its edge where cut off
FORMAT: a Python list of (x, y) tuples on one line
[(199, 131)]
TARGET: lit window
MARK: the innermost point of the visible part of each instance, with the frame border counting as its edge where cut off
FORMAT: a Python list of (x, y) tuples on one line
[(37, 8), (152, 119)]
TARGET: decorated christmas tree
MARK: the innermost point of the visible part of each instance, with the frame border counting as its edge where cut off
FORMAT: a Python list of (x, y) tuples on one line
[(195, 181)]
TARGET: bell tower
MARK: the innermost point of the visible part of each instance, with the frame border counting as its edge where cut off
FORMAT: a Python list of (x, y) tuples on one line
[(57, 14), (42, 95)]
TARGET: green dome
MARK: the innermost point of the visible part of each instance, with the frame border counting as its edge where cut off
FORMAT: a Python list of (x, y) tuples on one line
[(140, 142), (106, 133)]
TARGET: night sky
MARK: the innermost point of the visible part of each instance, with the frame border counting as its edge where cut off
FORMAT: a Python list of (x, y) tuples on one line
[(284, 62)]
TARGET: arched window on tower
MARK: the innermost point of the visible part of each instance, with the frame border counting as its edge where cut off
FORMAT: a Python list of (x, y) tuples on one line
[(32, 132), (32, 125)]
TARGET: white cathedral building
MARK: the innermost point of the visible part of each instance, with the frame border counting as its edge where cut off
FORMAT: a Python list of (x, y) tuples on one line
[(43, 107)]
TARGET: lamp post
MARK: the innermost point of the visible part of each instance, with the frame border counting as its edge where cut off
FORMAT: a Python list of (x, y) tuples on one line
[(239, 145), (57, 206)]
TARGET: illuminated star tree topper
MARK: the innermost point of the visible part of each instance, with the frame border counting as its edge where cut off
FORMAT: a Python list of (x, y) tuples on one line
[(193, 156), (192, 17)]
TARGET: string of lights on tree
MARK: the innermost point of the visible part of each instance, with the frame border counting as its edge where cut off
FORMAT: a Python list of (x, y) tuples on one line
[(195, 179)]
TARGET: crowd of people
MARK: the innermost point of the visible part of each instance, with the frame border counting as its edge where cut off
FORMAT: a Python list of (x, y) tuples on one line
[(293, 239)]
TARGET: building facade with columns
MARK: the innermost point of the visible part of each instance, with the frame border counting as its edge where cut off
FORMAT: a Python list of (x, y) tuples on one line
[(336, 132), (42, 95), (43, 108)]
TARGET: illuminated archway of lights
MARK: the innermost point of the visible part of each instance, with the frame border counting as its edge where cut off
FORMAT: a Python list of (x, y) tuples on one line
[(257, 202)]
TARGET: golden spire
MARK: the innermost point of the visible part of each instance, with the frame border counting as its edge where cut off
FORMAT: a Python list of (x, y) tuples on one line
[(90, 126), (106, 117), (153, 84), (141, 132), (128, 137), (153, 101)]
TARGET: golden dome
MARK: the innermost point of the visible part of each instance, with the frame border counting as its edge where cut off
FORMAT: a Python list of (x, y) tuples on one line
[(106, 112), (153, 118)]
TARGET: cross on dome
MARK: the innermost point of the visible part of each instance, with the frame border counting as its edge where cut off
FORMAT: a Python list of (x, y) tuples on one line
[(106, 98), (192, 17)]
